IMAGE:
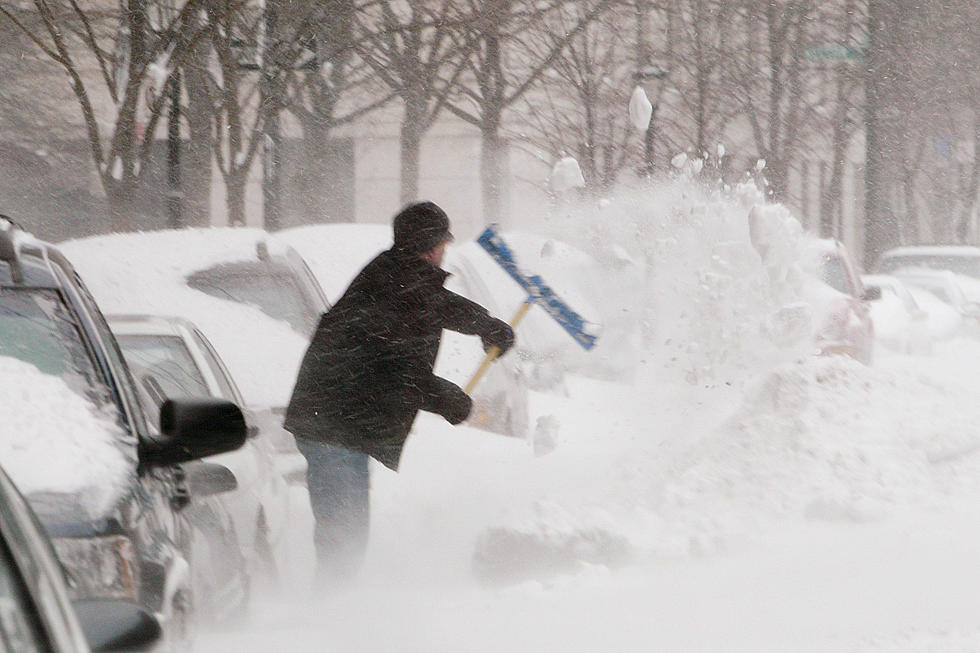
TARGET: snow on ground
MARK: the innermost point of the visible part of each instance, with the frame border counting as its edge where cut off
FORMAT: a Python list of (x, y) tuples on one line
[(732, 494)]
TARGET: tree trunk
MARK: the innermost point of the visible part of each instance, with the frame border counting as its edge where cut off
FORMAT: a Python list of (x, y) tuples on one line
[(778, 177), (197, 174), (235, 202), (970, 187), (410, 150), (122, 209), (492, 172)]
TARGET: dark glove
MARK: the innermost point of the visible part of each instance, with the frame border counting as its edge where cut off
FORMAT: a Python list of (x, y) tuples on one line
[(498, 334), (454, 404)]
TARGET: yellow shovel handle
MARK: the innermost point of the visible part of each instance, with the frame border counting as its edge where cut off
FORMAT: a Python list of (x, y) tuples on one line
[(493, 352)]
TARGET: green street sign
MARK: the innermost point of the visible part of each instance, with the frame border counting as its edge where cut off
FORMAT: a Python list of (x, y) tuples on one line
[(834, 52)]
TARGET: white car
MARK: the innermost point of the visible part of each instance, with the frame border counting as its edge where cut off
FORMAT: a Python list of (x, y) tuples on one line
[(900, 323), (170, 357), (959, 259), (952, 289)]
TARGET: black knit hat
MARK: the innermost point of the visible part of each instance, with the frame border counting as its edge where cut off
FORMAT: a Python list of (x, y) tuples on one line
[(421, 226)]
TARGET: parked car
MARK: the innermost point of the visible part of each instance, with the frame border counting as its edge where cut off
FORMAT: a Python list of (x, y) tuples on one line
[(951, 289), (110, 492), (37, 614), (840, 302), (900, 323), (262, 352), (170, 357), (959, 259), (252, 298)]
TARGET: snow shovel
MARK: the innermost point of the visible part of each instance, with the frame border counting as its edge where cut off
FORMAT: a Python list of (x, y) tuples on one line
[(538, 293)]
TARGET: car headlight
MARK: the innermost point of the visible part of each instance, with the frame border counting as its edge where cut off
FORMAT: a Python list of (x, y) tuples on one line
[(99, 567)]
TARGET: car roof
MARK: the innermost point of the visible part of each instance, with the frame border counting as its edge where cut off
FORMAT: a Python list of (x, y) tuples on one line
[(932, 250), (882, 280), (32, 258), (929, 274), (133, 324)]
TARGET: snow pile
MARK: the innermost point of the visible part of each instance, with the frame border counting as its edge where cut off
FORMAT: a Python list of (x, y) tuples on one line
[(41, 415), (826, 439), (146, 273)]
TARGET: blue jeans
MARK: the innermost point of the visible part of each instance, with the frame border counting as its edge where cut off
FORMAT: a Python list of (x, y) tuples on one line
[(339, 487)]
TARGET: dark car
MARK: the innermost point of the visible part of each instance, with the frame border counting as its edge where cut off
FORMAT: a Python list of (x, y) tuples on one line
[(121, 533), (37, 614)]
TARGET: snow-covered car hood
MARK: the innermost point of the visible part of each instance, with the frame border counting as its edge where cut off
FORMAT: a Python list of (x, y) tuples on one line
[(95, 462), (147, 272)]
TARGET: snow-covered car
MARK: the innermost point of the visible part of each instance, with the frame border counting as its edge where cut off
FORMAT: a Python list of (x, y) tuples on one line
[(253, 299), (900, 323), (337, 252), (110, 491), (170, 357), (960, 259), (952, 289), (839, 302), (37, 613)]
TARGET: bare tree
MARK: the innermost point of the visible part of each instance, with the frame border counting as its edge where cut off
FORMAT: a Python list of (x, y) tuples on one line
[(697, 54), (337, 90), (127, 50), (835, 66), (507, 61), (770, 79), (579, 107), (419, 51)]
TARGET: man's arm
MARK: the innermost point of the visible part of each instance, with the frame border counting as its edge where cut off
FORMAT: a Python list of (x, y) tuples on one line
[(465, 316)]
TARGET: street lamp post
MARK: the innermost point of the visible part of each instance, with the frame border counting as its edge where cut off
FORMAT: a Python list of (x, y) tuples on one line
[(272, 143), (651, 78), (175, 194)]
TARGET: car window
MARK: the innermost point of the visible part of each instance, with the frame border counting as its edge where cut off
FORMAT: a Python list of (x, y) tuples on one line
[(164, 366), (124, 385), (274, 292), (832, 273), (941, 293), (20, 627), (36, 327), (228, 391)]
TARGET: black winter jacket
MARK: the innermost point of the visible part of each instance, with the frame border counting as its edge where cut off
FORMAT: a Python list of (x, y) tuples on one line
[(368, 369)]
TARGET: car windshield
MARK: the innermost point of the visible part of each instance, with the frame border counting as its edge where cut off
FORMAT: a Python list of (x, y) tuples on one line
[(832, 273), (37, 328), (163, 366), (966, 265), (274, 293)]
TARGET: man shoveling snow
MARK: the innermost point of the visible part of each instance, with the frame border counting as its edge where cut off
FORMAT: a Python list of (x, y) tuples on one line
[(367, 373)]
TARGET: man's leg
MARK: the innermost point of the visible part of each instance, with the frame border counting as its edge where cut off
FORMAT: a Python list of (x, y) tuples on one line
[(339, 488)]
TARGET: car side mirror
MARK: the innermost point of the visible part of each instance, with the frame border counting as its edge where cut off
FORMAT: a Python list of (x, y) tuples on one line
[(113, 625), (872, 294), (205, 479), (195, 428)]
